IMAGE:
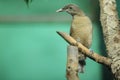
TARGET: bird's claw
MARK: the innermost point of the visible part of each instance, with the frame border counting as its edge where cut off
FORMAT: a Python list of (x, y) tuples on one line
[(91, 50)]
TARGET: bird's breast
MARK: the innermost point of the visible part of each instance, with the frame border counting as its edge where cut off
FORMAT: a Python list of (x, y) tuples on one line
[(81, 30)]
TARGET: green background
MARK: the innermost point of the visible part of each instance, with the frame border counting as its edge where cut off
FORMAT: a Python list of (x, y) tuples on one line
[(30, 48)]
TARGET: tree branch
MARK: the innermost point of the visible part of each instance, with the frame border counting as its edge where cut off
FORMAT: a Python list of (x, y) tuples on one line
[(110, 26), (94, 56), (111, 30), (72, 63)]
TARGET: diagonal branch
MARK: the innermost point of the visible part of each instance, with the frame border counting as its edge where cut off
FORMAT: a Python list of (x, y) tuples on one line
[(94, 56)]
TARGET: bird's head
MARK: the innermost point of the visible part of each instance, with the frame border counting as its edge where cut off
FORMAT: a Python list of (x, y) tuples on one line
[(71, 9)]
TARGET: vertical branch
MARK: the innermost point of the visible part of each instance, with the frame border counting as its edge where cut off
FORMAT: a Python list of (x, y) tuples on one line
[(111, 30), (72, 63), (110, 25)]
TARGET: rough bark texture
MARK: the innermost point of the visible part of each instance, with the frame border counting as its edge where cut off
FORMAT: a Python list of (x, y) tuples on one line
[(111, 31), (72, 63)]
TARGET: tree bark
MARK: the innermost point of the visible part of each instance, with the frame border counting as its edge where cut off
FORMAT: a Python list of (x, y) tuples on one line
[(111, 31), (72, 63)]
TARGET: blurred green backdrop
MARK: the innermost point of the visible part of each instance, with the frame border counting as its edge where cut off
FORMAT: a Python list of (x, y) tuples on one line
[(30, 48)]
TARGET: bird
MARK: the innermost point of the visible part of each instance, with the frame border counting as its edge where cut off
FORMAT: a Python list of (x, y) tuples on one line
[(81, 30)]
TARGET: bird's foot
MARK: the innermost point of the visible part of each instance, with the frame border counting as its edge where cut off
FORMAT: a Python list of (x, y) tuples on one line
[(91, 50)]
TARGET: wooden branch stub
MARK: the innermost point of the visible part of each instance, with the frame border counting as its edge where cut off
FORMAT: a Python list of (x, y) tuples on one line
[(94, 56), (72, 63), (66, 37)]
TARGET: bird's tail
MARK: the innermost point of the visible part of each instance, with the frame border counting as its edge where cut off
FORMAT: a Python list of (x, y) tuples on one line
[(82, 63)]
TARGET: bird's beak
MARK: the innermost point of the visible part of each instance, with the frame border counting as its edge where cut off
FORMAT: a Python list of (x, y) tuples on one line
[(60, 10)]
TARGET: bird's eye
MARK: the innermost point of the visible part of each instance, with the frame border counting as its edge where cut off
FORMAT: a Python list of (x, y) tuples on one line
[(70, 7)]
